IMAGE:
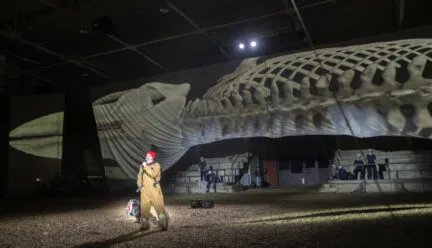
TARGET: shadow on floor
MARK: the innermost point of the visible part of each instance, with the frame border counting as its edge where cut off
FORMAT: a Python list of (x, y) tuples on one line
[(117, 240), (325, 214), (339, 213)]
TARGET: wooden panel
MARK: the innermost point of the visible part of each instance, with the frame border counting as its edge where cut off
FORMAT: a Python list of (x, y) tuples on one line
[(272, 172)]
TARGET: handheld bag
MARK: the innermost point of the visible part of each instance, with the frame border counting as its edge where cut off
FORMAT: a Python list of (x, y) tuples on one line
[(133, 208)]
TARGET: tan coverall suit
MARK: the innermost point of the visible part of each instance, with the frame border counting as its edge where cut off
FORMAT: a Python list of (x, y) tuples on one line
[(150, 195)]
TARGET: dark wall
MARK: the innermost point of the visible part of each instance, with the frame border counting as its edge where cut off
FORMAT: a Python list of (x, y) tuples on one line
[(299, 147), (200, 80), (315, 147)]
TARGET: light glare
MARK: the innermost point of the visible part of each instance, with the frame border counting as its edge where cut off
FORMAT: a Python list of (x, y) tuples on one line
[(253, 44), (241, 46)]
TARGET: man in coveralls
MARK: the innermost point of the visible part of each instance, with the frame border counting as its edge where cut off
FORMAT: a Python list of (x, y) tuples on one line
[(148, 179)]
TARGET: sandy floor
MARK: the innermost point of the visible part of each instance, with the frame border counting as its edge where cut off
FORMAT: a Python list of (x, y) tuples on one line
[(264, 218)]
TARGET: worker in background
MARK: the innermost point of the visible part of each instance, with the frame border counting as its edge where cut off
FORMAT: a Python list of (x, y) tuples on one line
[(211, 179), (359, 166), (371, 165), (202, 168)]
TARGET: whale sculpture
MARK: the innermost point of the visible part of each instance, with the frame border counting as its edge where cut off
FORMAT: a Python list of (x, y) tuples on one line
[(364, 90)]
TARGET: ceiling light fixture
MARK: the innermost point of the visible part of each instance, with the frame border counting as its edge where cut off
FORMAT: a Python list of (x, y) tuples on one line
[(241, 46), (253, 44)]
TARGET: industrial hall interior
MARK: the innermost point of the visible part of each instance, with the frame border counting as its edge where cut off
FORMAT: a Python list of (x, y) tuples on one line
[(219, 123)]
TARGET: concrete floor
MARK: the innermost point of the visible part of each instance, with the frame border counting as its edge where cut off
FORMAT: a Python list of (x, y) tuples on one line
[(254, 218)]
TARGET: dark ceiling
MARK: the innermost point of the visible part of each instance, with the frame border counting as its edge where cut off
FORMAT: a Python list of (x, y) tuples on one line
[(48, 45)]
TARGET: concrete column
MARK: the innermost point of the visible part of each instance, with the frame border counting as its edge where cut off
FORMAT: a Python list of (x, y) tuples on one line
[(4, 127), (4, 141), (80, 139)]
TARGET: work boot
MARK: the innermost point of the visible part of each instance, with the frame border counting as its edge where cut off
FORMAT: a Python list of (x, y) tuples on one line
[(144, 225), (163, 222), (138, 219)]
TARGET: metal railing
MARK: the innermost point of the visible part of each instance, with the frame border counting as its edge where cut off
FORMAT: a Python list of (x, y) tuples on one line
[(233, 175), (194, 179), (420, 170)]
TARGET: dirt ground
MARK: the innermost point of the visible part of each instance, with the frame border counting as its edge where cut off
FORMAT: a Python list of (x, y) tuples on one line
[(254, 218)]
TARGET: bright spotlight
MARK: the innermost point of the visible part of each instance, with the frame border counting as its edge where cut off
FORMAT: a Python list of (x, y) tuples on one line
[(241, 46), (253, 44)]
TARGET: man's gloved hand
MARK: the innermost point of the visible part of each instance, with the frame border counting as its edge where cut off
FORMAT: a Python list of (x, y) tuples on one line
[(155, 183)]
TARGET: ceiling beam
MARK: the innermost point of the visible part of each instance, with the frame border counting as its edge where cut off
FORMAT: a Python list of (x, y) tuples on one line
[(58, 9), (197, 27), (9, 28), (178, 36), (401, 13), (296, 9), (290, 13), (134, 49), (225, 25), (114, 38), (156, 41), (7, 55), (24, 59), (42, 79), (52, 53)]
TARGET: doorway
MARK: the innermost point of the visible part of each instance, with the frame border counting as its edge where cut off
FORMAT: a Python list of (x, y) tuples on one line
[(271, 172)]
